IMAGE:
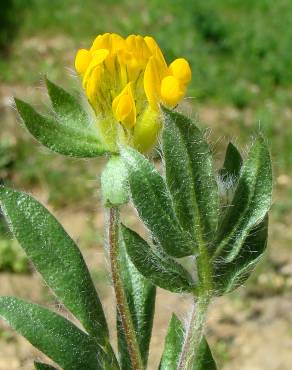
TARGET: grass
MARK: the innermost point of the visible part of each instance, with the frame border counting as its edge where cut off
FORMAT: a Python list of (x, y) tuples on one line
[(240, 51)]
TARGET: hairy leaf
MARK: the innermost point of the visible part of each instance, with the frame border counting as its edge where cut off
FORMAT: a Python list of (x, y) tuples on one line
[(68, 109), (251, 201), (52, 334), (56, 257), (153, 203), (229, 175), (204, 359), (230, 275), (232, 163), (162, 270), (141, 299), (172, 345), (59, 136), (190, 176)]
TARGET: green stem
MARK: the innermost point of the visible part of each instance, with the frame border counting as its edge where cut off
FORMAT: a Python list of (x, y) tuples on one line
[(195, 330), (194, 334), (121, 299)]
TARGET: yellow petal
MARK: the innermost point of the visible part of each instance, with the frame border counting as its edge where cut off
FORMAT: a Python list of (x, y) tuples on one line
[(117, 43), (98, 58), (155, 51), (92, 87), (111, 41), (171, 91), (180, 69), (101, 42), (82, 60), (138, 47), (152, 81), (124, 108)]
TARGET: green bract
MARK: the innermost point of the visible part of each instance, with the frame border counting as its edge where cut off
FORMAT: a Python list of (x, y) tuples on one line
[(68, 131)]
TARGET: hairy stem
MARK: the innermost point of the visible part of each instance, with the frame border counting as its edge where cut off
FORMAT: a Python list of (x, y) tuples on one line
[(121, 298), (194, 334)]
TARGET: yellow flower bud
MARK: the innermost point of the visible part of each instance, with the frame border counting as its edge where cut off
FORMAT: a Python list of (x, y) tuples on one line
[(171, 91), (124, 108), (146, 130), (180, 69)]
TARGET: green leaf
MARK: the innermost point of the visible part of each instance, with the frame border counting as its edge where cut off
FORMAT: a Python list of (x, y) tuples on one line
[(172, 345), (160, 269), (232, 163), (229, 175), (204, 359), (190, 176), (114, 183), (58, 136), (52, 334), (230, 275), (251, 201), (153, 203), (68, 109), (41, 366), (141, 299), (56, 257)]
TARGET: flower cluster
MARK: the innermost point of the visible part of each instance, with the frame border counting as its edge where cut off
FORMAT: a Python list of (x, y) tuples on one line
[(125, 81)]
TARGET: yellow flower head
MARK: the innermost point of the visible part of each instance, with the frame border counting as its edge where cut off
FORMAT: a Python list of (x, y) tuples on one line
[(125, 81)]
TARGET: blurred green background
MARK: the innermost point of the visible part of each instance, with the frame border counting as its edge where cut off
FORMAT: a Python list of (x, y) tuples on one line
[(241, 57)]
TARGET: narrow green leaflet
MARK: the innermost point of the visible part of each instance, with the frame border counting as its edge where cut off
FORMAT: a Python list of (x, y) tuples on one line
[(153, 203), (204, 358), (159, 268), (232, 163), (251, 201), (61, 138), (172, 345), (52, 334), (56, 257), (42, 366), (190, 176), (229, 175), (141, 299), (68, 109), (230, 275)]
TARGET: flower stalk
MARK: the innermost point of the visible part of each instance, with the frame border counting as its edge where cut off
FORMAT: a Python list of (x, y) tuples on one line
[(121, 299)]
